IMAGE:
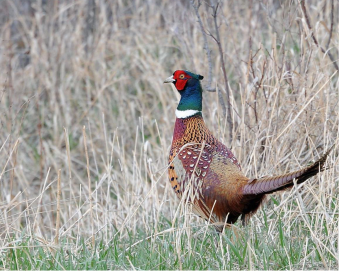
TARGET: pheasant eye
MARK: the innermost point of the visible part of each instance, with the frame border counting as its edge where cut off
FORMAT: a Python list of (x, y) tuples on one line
[(181, 76)]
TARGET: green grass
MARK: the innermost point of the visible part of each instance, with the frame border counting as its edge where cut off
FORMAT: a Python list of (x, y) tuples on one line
[(245, 248)]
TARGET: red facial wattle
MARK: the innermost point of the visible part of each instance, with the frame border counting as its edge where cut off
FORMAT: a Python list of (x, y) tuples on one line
[(181, 79)]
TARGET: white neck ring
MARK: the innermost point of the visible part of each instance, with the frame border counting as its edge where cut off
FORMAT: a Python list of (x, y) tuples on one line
[(182, 114)]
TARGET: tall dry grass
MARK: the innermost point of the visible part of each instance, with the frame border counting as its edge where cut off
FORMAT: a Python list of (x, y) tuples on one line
[(76, 70)]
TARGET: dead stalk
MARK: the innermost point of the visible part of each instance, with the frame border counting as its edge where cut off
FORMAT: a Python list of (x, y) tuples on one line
[(57, 225), (89, 186), (308, 22)]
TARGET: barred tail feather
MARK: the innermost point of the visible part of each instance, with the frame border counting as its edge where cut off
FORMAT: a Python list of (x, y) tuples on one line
[(267, 185)]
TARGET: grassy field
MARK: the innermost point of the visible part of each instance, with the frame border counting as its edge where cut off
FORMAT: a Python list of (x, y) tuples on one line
[(86, 125)]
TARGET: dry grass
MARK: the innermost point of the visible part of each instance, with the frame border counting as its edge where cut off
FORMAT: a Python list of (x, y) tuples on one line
[(100, 65)]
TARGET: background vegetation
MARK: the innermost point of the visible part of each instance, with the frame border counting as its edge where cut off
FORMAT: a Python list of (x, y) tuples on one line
[(86, 125)]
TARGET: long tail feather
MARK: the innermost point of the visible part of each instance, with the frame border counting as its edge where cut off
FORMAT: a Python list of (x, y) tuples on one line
[(267, 185)]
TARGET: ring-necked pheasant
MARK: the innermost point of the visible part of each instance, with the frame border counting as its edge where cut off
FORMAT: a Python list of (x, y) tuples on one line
[(220, 192)]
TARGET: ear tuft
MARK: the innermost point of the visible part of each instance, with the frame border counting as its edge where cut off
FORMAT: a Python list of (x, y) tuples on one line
[(200, 77)]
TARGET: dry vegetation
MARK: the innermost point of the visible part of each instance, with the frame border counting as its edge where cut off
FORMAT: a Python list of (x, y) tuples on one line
[(90, 73)]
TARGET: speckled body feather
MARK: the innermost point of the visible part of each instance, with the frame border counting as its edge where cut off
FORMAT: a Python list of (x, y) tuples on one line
[(197, 156), (200, 163)]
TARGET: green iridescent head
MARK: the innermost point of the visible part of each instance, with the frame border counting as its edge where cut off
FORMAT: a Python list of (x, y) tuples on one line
[(188, 85)]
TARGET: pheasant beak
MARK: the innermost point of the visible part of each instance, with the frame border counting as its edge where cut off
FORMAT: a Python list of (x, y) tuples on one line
[(169, 80)]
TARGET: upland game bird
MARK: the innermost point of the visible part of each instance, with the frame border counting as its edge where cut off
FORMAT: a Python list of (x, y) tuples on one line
[(199, 162)]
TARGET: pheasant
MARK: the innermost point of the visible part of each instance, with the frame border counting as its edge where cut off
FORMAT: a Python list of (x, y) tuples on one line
[(206, 172)]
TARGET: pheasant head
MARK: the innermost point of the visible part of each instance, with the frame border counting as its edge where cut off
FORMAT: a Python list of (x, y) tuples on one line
[(189, 87)]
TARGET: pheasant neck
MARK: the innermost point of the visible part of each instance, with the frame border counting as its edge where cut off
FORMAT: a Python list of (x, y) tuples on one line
[(183, 129), (183, 114), (191, 100)]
